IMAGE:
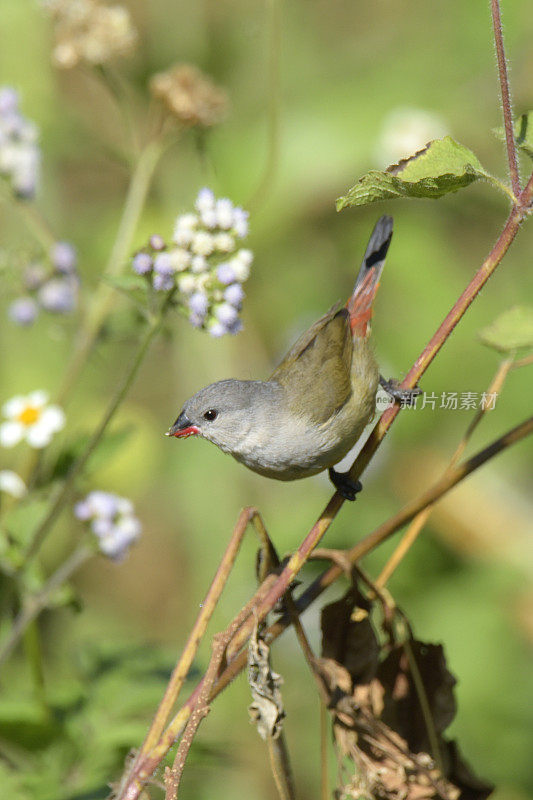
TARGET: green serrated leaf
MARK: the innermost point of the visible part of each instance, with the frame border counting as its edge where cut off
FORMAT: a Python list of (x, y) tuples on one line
[(512, 330), (523, 133), (442, 166)]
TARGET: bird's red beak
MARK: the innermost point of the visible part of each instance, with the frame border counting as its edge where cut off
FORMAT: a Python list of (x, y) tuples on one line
[(190, 431), (182, 428)]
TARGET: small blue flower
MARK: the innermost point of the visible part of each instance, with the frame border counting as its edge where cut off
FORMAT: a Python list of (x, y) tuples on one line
[(226, 273), (196, 320), (63, 257), (112, 521), (141, 263), (240, 222), (226, 314), (157, 242), (198, 304), (234, 295), (23, 311), (235, 327), (58, 296), (163, 283), (216, 329), (163, 264)]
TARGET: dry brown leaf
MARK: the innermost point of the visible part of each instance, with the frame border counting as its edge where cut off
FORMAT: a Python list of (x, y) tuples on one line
[(383, 732)]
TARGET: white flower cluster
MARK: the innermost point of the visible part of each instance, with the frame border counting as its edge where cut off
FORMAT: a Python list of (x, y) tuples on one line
[(90, 31), (205, 263), (20, 156), (54, 289), (30, 418), (112, 521)]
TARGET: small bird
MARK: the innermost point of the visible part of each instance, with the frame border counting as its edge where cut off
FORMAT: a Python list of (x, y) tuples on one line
[(316, 403)]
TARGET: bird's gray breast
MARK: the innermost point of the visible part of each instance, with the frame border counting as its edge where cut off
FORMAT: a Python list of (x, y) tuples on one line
[(286, 446)]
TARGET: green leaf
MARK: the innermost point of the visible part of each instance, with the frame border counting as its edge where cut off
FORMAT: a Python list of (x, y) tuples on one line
[(105, 451), (523, 133), (26, 725), (134, 287), (512, 330), (127, 283), (442, 166), (22, 520)]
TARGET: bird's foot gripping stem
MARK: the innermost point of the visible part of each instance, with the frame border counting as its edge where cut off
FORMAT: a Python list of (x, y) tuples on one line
[(346, 486), (404, 396)]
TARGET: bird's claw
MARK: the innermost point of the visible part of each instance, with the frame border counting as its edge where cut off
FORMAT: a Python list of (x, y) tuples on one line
[(404, 396), (347, 487)]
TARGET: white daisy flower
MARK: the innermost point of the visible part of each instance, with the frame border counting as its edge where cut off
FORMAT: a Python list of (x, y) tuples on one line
[(31, 418), (12, 484)]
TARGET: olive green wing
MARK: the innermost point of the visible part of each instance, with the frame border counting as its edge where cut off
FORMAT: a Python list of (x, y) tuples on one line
[(316, 371)]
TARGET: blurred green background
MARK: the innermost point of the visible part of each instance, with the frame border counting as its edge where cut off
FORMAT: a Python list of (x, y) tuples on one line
[(344, 69)]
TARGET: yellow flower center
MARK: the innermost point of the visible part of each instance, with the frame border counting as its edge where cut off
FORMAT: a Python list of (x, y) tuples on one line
[(30, 415)]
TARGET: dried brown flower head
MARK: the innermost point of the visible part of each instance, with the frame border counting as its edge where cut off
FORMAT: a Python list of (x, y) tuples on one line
[(90, 31), (190, 96)]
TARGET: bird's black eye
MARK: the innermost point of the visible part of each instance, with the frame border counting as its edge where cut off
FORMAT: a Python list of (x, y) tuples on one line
[(211, 414)]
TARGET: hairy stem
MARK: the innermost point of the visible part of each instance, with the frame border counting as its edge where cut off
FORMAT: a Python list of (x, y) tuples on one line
[(370, 542), (506, 96), (274, 588)]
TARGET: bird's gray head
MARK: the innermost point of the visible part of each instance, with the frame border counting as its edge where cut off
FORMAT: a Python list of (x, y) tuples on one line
[(225, 412)]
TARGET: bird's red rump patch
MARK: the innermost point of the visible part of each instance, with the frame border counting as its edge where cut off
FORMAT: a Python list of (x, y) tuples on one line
[(190, 431)]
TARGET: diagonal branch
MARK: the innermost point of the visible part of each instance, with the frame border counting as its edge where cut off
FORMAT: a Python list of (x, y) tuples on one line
[(370, 542), (132, 782), (506, 96)]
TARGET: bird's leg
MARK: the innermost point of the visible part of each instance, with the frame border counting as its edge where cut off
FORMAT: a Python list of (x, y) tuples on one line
[(346, 486), (404, 396)]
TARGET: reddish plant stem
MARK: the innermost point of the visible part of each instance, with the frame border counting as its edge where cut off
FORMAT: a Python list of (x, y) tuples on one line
[(370, 542), (151, 760), (506, 96)]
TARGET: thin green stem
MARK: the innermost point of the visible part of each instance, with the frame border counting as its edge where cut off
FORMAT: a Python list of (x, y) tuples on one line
[(33, 219), (119, 395), (35, 604), (105, 295), (506, 96), (274, 28), (34, 656)]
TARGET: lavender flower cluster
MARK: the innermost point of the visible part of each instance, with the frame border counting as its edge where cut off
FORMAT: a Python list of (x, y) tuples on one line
[(54, 289), (19, 152), (112, 521), (204, 263)]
